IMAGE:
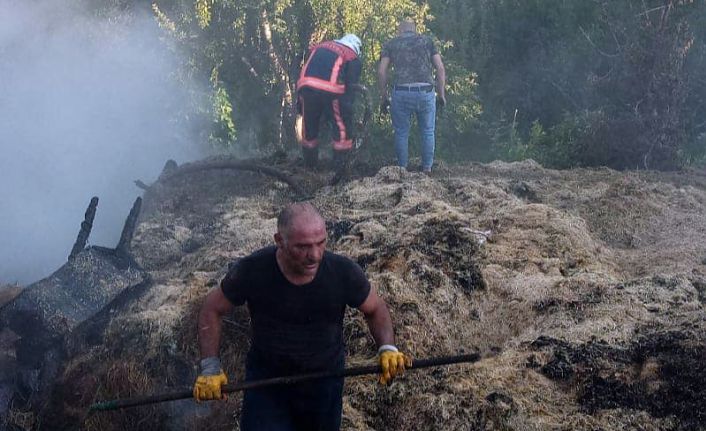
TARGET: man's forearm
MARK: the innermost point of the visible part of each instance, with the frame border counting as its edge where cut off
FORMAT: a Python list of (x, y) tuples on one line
[(440, 76), (209, 333), (382, 82), (380, 326), (441, 82)]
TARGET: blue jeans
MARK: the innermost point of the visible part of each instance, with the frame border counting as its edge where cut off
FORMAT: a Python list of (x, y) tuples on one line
[(306, 406), (404, 104)]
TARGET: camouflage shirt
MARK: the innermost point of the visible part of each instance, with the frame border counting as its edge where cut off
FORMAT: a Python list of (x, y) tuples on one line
[(410, 55)]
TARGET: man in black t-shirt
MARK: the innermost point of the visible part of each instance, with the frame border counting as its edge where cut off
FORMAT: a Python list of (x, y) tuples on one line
[(296, 293)]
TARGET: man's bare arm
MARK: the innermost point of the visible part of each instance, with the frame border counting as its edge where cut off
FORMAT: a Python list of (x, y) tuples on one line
[(392, 361), (440, 76), (382, 77), (213, 309), (378, 318)]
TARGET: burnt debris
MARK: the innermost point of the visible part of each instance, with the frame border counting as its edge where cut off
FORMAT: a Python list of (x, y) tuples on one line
[(40, 321), (85, 231), (662, 373)]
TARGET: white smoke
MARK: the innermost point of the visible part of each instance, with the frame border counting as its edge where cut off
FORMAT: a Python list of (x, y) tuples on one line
[(87, 105)]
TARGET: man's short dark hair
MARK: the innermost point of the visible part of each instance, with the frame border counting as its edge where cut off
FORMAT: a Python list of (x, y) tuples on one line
[(288, 213), (407, 24)]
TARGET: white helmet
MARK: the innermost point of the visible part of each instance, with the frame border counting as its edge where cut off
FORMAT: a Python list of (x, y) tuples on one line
[(351, 41)]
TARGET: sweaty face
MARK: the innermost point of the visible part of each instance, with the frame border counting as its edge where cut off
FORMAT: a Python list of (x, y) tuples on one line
[(303, 246)]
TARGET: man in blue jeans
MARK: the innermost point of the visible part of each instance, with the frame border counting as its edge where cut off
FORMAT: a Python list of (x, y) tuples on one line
[(297, 293), (412, 56)]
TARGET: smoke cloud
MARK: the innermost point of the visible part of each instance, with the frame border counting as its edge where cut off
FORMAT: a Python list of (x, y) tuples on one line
[(87, 105)]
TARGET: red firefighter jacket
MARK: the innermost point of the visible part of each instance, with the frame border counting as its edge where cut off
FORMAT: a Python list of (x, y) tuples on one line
[(331, 67)]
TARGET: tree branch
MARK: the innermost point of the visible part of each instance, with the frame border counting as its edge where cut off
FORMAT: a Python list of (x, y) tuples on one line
[(239, 165)]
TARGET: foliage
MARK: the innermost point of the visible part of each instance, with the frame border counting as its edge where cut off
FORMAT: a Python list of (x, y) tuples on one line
[(257, 47), (457, 126), (566, 82), (224, 128), (622, 73)]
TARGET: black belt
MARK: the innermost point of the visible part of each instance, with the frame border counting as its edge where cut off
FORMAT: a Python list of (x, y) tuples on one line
[(415, 88)]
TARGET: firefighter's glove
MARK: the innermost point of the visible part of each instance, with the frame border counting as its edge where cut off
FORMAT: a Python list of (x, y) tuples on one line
[(392, 363), (210, 380), (385, 106)]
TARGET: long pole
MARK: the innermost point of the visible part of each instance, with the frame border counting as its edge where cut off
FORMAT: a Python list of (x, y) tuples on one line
[(286, 380)]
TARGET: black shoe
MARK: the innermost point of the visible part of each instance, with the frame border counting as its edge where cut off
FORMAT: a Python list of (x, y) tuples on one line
[(311, 157)]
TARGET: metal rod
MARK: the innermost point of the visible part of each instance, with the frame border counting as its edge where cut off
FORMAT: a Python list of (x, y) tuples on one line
[(286, 380)]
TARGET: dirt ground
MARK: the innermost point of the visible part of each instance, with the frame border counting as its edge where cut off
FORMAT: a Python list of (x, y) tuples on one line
[(583, 290)]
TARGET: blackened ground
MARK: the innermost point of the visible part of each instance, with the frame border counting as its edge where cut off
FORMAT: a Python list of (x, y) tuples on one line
[(452, 248), (663, 373)]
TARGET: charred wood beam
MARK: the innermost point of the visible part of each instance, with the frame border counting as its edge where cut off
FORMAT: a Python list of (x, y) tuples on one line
[(142, 185), (123, 247), (86, 226), (169, 168), (239, 165)]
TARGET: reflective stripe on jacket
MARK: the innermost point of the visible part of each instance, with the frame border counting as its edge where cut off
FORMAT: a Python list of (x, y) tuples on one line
[(325, 68)]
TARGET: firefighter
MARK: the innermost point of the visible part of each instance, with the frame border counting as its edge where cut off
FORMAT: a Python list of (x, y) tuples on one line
[(325, 88)]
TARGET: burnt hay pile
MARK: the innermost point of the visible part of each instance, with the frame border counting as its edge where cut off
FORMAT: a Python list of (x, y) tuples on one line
[(583, 290)]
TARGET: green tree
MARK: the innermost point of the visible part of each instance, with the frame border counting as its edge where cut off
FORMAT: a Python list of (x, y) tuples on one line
[(256, 48), (610, 83)]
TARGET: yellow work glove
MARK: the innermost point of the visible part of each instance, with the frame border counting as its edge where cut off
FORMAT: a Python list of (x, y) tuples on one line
[(392, 363), (208, 383)]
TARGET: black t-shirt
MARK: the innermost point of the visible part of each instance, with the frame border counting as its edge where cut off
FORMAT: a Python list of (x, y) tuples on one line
[(296, 328)]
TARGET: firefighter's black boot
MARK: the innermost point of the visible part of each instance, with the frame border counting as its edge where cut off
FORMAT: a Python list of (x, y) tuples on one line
[(311, 157), (341, 166)]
